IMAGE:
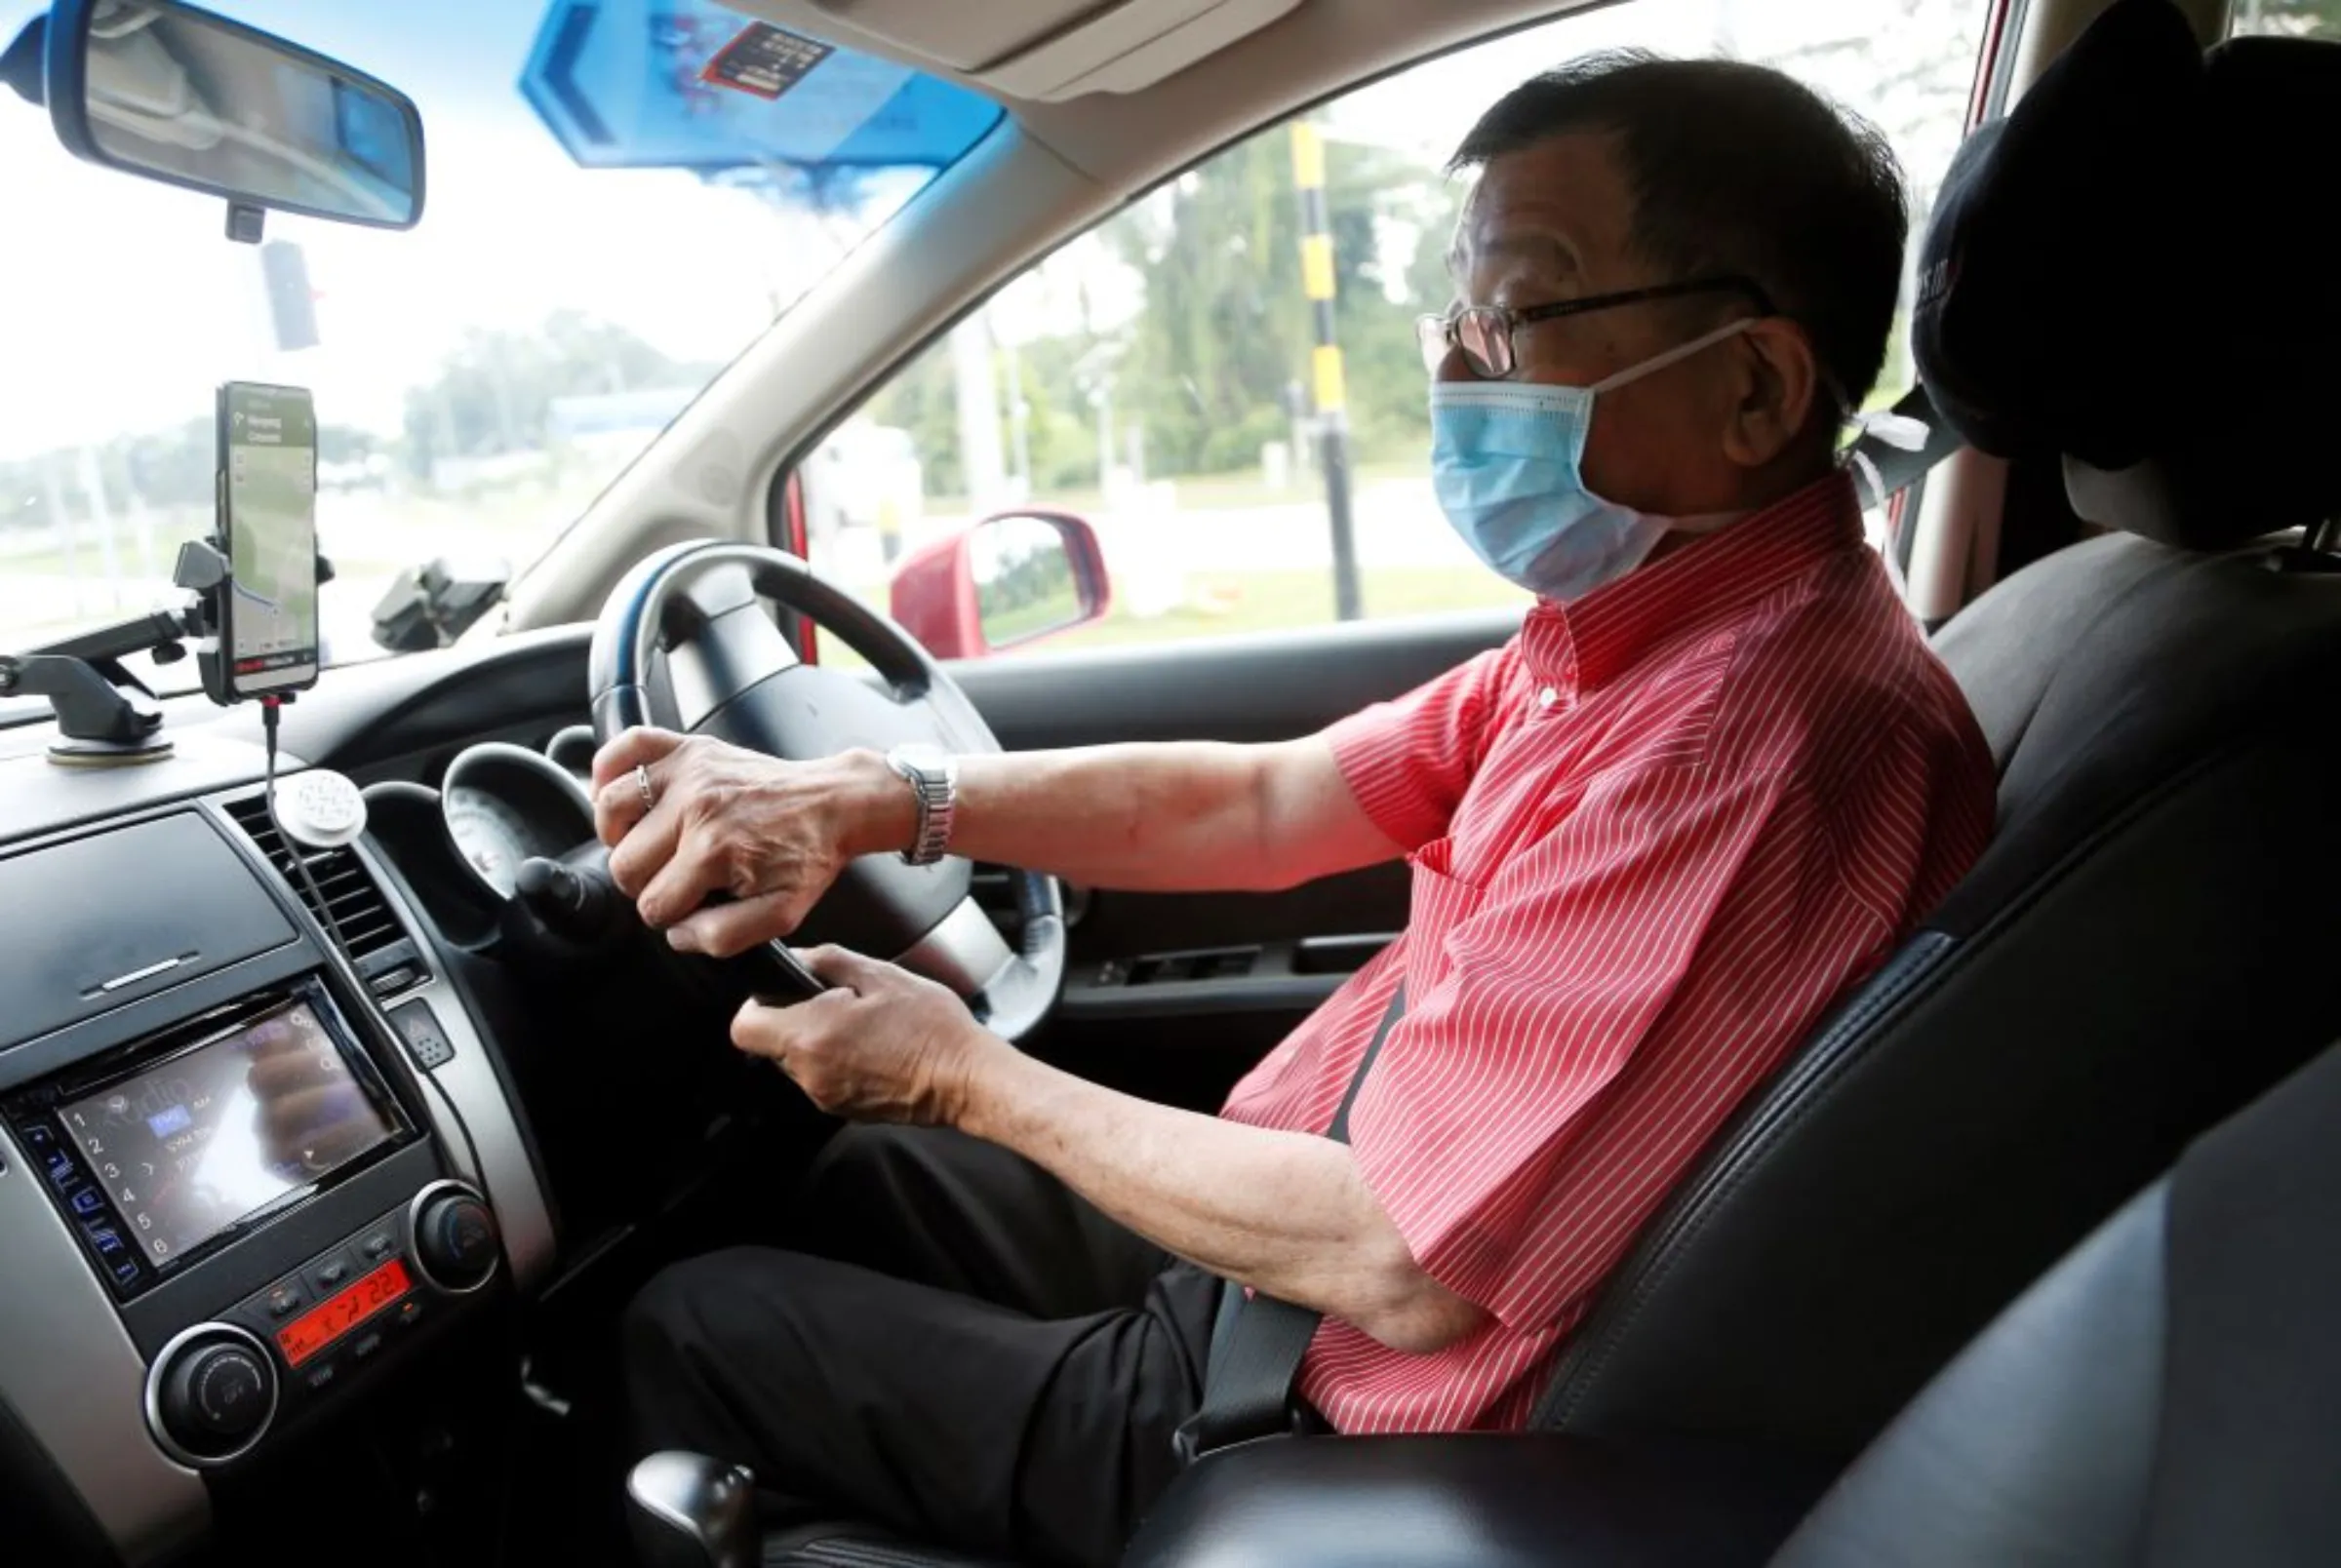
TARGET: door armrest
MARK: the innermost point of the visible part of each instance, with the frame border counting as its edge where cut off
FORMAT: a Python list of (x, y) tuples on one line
[(1486, 1500)]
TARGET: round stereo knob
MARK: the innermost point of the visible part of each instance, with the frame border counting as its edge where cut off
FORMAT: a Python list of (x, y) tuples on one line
[(455, 1239), (213, 1393)]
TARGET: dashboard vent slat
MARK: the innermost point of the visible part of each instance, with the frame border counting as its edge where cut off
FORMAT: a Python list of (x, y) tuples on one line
[(354, 900)]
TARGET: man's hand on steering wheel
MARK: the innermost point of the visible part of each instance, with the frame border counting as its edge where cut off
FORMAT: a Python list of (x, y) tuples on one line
[(688, 641), (686, 816)]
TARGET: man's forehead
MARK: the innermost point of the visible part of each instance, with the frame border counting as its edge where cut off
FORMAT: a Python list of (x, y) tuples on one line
[(1559, 203)]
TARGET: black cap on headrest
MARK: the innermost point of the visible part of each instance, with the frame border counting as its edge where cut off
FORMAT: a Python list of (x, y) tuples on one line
[(2129, 272), (2048, 272), (2256, 394)]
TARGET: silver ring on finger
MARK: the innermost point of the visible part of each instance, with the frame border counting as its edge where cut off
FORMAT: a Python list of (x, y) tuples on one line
[(642, 787)]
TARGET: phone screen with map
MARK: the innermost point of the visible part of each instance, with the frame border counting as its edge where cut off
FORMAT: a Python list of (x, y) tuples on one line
[(268, 489)]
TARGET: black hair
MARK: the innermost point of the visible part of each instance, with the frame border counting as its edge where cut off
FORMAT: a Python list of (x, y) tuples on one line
[(1737, 169)]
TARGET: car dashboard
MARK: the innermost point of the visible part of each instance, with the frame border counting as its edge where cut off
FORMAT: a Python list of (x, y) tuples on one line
[(267, 1139)]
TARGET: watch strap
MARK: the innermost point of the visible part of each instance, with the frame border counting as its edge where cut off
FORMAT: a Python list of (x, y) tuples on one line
[(933, 780)]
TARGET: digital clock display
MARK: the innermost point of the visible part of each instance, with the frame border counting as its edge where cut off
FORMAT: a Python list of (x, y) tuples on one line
[(335, 1315)]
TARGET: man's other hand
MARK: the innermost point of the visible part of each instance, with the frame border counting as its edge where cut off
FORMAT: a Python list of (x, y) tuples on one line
[(719, 819), (885, 1045)]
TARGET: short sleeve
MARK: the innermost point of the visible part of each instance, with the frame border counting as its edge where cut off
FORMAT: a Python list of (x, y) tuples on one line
[(1410, 762), (1545, 985)]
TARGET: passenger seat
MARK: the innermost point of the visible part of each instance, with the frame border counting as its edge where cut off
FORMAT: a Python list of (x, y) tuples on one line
[(2171, 1395)]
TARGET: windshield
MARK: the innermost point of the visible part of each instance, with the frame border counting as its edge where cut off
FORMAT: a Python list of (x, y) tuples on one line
[(608, 223)]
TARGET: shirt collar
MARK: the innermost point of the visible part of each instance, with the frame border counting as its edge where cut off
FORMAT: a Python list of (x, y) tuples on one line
[(1582, 645)]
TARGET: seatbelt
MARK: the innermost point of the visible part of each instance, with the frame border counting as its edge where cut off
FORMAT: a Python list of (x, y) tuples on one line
[(1258, 1341)]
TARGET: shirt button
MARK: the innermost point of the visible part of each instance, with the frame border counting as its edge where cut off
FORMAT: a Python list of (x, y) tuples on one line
[(1548, 697)]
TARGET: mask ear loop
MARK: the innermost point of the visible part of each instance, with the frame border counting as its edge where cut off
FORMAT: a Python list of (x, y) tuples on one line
[(1659, 362)]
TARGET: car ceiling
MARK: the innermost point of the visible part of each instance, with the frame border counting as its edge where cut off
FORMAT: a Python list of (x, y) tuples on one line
[(1139, 110)]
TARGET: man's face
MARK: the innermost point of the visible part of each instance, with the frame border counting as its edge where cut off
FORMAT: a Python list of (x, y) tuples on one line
[(1555, 221)]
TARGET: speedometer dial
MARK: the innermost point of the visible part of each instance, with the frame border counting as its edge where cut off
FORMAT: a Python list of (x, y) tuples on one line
[(504, 805), (493, 836)]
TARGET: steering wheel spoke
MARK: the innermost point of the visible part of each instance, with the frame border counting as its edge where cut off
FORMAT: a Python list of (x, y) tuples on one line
[(1008, 989)]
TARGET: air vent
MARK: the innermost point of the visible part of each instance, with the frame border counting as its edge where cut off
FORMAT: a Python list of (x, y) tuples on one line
[(378, 945)]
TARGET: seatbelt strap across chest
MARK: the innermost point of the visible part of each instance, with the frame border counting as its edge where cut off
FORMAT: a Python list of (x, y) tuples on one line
[(1258, 1341)]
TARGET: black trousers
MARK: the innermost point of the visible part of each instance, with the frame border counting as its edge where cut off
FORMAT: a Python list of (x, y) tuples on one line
[(960, 1352)]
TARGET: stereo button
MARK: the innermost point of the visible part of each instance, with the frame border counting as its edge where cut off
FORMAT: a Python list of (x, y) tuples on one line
[(284, 1298)]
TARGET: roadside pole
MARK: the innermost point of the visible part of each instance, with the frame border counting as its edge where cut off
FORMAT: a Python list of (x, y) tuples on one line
[(1333, 412)]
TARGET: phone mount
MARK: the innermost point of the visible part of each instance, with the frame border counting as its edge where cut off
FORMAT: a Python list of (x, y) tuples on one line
[(100, 725), (202, 568), (105, 716)]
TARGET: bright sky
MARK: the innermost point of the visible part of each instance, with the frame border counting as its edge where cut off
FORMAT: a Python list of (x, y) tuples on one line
[(127, 306)]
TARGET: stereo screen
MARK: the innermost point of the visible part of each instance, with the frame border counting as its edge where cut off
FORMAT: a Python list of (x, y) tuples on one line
[(191, 1145)]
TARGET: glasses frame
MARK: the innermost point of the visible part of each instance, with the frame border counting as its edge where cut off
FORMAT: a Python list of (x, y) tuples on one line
[(1442, 336)]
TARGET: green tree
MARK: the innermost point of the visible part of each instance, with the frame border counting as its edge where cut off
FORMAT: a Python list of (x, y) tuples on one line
[(921, 397), (1224, 334), (495, 393), (1226, 327), (1059, 433), (346, 444)]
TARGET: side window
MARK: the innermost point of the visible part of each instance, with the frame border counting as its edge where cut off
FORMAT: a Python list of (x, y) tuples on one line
[(2286, 18), (1168, 376)]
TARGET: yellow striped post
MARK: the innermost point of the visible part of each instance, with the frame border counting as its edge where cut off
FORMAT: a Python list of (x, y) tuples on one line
[(1328, 386)]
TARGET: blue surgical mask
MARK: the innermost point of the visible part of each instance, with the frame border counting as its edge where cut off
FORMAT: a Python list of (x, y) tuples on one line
[(1506, 461)]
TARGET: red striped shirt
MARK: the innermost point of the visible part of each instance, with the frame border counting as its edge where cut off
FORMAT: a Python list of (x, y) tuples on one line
[(1652, 837)]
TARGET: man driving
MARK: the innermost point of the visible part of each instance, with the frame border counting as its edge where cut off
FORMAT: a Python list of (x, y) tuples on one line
[(1712, 783)]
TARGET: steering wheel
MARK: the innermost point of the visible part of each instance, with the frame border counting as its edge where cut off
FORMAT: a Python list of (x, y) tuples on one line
[(684, 641)]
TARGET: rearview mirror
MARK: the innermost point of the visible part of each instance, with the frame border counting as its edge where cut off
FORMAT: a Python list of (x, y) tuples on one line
[(167, 92), (1009, 581)]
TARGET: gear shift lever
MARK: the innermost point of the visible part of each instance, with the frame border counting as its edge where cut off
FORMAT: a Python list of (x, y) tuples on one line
[(692, 1511)]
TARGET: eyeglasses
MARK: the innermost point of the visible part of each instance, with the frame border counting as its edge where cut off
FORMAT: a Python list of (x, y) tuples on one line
[(1482, 333)]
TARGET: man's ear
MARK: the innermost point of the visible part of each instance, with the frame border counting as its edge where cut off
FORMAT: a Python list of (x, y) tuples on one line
[(1778, 391)]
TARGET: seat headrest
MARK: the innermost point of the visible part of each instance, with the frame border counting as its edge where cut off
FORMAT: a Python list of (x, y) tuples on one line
[(2125, 271)]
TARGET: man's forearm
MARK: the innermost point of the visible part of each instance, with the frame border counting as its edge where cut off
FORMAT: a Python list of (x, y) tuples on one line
[(1285, 1212), (1183, 817)]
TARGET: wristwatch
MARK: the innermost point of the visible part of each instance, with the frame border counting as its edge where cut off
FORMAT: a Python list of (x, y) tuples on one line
[(933, 778)]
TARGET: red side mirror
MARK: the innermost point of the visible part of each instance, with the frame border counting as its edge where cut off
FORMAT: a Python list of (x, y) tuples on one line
[(1009, 581)]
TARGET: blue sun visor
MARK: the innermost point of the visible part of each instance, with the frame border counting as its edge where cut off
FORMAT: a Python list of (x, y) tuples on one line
[(688, 83)]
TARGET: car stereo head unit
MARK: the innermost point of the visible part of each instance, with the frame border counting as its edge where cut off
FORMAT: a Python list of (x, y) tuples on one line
[(163, 1151)]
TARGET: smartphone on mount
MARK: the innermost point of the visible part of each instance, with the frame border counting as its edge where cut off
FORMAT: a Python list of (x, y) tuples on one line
[(267, 609)]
